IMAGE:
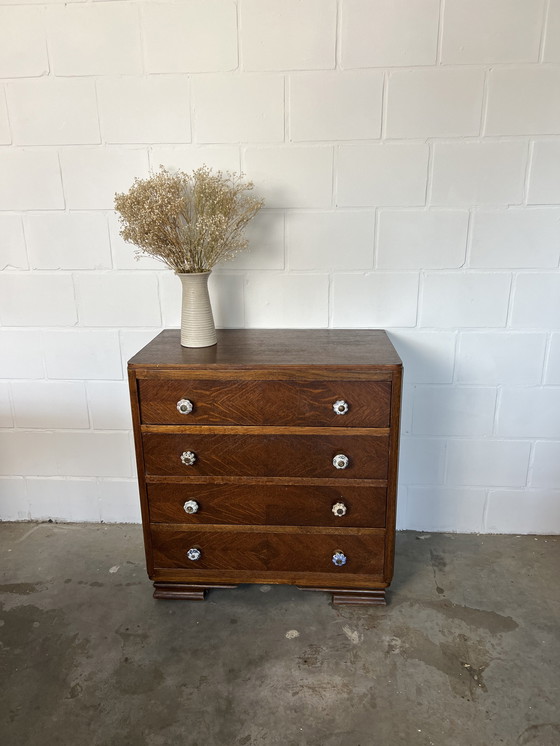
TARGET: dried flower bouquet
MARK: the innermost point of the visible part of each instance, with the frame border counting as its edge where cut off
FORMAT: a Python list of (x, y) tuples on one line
[(188, 221)]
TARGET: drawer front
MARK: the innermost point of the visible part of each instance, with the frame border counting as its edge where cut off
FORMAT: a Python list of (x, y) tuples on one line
[(268, 551), (264, 455), (274, 505), (266, 403)]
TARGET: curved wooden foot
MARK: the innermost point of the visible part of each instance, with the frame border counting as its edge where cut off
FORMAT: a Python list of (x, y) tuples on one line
[(184, 591), (353, 596)]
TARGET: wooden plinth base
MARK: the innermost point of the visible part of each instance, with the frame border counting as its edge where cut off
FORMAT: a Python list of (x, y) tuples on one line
[(185, 591), (352, 596)]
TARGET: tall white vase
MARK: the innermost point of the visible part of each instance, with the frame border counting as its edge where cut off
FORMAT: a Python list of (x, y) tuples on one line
[(197, 322)]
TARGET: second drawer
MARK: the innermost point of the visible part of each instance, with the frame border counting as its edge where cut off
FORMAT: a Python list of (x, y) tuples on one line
[(266, 504)]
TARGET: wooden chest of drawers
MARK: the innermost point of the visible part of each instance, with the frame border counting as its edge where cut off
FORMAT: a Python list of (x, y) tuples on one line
[(268, 458)]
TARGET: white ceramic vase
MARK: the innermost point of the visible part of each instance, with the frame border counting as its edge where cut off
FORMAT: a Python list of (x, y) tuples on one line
[(197, 321)]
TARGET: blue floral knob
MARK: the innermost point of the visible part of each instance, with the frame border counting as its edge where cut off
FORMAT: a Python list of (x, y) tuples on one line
[(339, 558), (195, 554), (340, 461)]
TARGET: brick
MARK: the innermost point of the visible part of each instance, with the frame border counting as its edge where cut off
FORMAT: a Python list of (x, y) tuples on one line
[(238, 108), (286, 301), (428, 357), (124, 254), (453, 299), (500, 358), (117, 299), (23, 47), (109, 405), (545, 470), (341, 240), (515, 238), (544, 176), (12, 245), (487, 463), (458, 509), (335, 105), (53, 111), (26, 452), (6, 417), (419, 239), (133, 340), (21, 355), (91, 176), (63, 500), (119, 501), (94, 39), (37, 300), (537, 87), (552, 40), (434, 102), (529, 413), (190, 157), (422, 461), (82, 354), (522, 511), (382, 175), (477, 32), (93, 454), (389, 33), (144, 110), (292, 35), (453, 410), (295, 176), (13, 500), (478, 173), (50, 404), (198, 36), (68, 240), (265, 234), (5, 132), (30, 180), (382, 299), (536, 301), (552, 369)]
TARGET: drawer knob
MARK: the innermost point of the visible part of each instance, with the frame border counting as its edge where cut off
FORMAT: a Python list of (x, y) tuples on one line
[(191, 506), (340, 461), (188, 458), (339, 558), (185, 406), (339, 509), (195, 554), (340, 407)]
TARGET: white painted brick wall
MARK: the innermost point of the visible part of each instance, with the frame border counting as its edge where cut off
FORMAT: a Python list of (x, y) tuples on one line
[(409, 155)]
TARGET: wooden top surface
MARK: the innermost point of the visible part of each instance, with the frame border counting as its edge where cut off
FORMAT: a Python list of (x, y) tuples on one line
[(272, 347)]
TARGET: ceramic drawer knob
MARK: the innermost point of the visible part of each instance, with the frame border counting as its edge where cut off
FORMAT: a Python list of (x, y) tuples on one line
[(340, 461), (339, 509), (195, 554), (340, 407), (185, 406), (339, 558), (191, 506), (188, 458)]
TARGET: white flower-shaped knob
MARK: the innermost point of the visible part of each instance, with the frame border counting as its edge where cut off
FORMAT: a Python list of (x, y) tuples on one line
[(188, 458), (195, 554), (340, 407), (190, 507), (339, 558), (185, 406), (340, 461), (339, 509)]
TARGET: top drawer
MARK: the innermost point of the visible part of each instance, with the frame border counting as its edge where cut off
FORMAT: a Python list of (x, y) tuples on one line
[(232, 402)]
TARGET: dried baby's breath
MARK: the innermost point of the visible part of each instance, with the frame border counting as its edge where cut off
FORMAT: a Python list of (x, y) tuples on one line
[(188, 221)]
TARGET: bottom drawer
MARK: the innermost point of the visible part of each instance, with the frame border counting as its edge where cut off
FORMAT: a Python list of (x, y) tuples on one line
[(274, 551)]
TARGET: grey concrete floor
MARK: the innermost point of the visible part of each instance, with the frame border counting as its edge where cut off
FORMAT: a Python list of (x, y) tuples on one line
[(466, 653)]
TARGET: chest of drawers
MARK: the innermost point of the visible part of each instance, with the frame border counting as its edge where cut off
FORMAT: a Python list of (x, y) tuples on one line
[(268, 458)]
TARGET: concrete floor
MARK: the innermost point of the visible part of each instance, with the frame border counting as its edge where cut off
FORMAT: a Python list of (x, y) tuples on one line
[(466, 653)]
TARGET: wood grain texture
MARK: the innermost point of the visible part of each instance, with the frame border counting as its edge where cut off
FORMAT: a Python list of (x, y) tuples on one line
[(268, 550), (184, 591), (234, 402), (268, 455), (268, 504), (353, 596)]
